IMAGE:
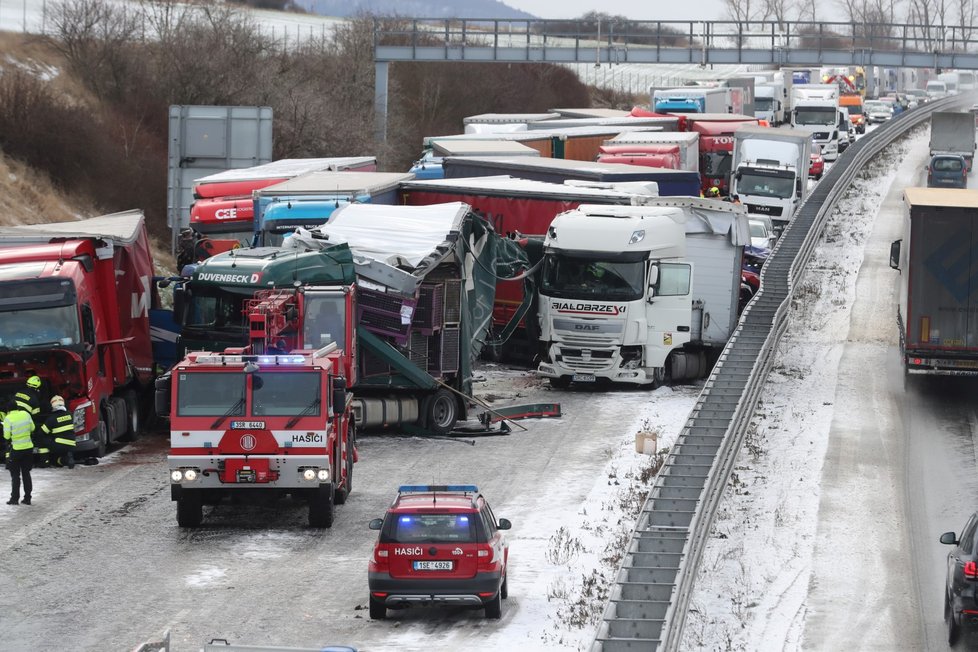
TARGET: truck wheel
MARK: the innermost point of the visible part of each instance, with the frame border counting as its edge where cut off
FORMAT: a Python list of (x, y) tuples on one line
[(190, 511), (321, 508), (658, 377), (442, 412), (101, 434), (377, 609), (132, 414), (344, 493)]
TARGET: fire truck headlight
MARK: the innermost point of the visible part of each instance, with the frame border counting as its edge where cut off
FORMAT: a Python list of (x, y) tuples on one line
[(78, 418), (176, 475), (323, 475), (309, 475), (190, 475)]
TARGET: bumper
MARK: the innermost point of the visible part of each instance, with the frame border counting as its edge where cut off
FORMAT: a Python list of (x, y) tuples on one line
[(286, 469), (402, 592), (614, 374)]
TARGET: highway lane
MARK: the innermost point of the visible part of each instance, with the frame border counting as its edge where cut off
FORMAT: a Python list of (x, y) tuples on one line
[(98, 562), (900, 470)]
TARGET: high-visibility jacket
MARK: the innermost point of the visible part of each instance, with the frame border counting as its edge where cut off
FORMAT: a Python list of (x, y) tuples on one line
[(17, 428), (28, 400), (61, 427)]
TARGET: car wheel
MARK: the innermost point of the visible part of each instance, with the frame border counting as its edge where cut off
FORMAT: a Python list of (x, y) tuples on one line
[(953, 629), (377, 609), (494, 608), (504, 589)]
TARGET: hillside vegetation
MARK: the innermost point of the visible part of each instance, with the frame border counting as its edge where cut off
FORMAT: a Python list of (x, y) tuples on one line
[(87, 107)]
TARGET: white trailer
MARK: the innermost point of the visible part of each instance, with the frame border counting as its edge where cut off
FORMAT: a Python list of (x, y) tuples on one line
[(769, 103), (770, 170), (816, 110), (640, 294)]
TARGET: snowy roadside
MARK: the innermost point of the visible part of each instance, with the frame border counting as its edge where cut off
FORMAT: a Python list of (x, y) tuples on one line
[(751, 590)]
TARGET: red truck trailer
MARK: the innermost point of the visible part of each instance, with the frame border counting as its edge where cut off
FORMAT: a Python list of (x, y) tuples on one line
[(74, 310), (222, 215)]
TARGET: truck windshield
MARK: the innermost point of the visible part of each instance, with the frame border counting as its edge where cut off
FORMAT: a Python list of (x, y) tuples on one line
[(324, 320), (217, 308), (210, 394), (763, 103), (815, 116), (855, 109), (715, 164), (766, 184), (39, 328), (286, 394), (573, 277)]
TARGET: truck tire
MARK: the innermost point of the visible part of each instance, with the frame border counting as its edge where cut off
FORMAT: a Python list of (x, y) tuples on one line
[(132, 416), (441, 413), (658, 377), (190, 511), (321, 509), (101, 435), (344, 493), (377, 609)]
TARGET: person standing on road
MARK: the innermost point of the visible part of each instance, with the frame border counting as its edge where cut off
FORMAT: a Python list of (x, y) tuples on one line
[(59, 427), (17, 428)]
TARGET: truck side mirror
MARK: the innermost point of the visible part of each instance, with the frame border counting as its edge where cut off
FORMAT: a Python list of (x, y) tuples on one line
[(180, 291), (895, 254), (653, 275), (339, 395)]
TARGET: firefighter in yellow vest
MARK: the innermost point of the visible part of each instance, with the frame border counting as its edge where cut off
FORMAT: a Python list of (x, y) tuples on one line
[(17, 428), (60, 430), (29, 398)]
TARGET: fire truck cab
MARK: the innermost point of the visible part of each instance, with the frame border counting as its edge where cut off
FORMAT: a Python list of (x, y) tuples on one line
[(260, 426)]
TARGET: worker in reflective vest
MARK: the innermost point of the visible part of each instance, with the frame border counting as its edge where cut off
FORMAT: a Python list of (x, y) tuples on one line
[(29, 398), (60, 430), (17, 428)]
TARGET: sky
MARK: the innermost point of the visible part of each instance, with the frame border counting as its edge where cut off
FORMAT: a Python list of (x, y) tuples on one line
[(632, 9)]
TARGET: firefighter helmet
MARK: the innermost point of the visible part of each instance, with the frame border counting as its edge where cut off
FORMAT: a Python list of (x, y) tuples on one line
[(34, 381)]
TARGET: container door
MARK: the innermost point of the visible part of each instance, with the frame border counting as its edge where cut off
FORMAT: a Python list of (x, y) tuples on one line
[(943, 303)]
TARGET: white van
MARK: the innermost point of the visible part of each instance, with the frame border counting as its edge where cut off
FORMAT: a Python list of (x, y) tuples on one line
[(936, 89)]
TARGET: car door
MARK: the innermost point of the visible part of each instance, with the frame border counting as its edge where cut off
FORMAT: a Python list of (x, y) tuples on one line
[(959, 555), (497, 541)]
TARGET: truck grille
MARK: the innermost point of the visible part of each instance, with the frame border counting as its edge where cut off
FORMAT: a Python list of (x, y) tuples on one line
[(821, 135), (585, 340), (764, 210), (586, 359)]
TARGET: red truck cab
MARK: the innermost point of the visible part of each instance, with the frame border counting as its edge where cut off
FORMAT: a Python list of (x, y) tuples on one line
[(74, 310), (716, 146)]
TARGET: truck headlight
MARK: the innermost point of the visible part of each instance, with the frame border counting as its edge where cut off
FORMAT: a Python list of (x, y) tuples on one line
[(176, 475), (78, 418), (190, 475), (323, 475), (309, 475)]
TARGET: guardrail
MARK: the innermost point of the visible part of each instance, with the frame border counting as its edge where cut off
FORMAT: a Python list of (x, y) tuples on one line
[(648, 606)]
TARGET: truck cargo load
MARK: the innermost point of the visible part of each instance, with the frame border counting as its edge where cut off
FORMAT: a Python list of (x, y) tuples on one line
[(937, 312), (74, 310), (687, 142), (670, 182), (953, 133)]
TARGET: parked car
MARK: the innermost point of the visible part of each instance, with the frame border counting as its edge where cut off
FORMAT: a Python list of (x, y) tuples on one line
[(947, 171), (817, 167), (438, 544), (878, 111), (961, 580), (762, 232)]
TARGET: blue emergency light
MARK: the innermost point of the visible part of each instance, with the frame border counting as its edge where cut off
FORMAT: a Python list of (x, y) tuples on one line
[(425, 488)]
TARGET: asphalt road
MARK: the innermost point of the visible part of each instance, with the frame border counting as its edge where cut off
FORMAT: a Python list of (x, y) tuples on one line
[(98, 562), (900, 470)]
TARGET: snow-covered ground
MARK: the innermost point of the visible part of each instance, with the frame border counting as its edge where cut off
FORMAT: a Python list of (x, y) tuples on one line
[(752, 590)]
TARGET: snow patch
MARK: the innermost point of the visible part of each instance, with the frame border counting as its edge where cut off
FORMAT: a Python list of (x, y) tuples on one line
[(206, 576)]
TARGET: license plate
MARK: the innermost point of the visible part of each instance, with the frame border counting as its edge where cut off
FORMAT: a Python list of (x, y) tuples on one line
[(583, 378), (434, 565), (247, 425)]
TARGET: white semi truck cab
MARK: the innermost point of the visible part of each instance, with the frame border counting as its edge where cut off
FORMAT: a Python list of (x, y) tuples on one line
[(816, 110), (640, 294), (770, 170)]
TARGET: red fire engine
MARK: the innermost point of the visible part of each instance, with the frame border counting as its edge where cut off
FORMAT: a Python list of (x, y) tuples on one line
[(262, 420)]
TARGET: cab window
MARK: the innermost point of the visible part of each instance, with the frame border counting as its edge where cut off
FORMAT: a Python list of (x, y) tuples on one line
[(673, 280)]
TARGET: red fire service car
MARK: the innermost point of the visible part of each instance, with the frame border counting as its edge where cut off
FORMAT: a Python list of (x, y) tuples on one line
[(438, 544)]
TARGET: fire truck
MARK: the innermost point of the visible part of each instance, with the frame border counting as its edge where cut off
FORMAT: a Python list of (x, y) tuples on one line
[(262, 421)]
